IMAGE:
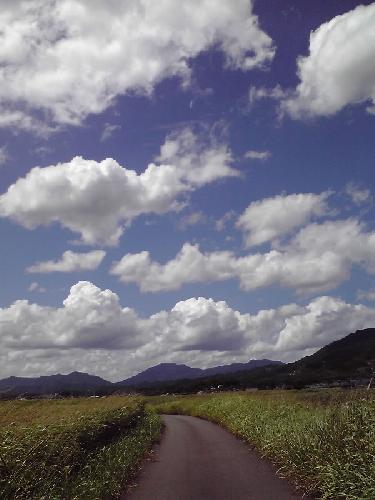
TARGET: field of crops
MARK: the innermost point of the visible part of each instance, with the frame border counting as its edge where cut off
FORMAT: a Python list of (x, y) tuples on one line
[(84, 448), (323, 440)]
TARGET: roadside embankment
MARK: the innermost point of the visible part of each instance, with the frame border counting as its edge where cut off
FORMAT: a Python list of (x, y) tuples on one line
[(78, 449)]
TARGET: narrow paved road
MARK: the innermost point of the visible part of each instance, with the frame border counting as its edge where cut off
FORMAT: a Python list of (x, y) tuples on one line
[(198, 460)]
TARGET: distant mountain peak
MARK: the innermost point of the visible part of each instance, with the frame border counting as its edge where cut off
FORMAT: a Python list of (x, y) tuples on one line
[(46, 384), (164, 372)]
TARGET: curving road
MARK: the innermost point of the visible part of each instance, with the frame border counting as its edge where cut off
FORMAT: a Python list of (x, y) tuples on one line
[(198, 460)]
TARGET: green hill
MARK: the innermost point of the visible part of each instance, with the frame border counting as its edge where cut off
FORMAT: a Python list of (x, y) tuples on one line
[(348, 361)]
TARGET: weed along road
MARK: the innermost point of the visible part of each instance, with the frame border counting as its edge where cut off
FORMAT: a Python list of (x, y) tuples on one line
[(198, 460)]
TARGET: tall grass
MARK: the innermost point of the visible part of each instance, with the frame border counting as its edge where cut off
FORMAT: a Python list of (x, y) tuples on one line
[(326, 445), (72, 449)]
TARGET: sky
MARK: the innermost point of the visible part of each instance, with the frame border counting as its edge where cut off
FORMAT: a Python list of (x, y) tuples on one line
[(187, 182)]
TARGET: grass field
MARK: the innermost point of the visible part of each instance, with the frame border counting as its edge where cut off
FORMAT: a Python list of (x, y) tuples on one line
[(323, 440), (88, 448), (84, 448)]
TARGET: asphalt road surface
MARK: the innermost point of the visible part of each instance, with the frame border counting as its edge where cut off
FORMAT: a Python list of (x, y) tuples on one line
[(198, 460)]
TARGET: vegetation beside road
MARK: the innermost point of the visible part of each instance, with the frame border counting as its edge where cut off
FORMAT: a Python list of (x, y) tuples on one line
[(88, 448), (85, 448), (323, 440)]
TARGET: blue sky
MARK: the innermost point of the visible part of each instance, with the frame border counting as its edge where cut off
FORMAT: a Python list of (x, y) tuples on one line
[(220, 204)]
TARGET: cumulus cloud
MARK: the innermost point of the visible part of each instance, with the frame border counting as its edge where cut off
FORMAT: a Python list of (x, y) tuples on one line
[(257, 155), (69, 58), (189, 266), (339, 70), (324, 318), (99, 199), (90, 317), (94, 333), (318, 258), (200, 164), (70, 262), (271, 218)]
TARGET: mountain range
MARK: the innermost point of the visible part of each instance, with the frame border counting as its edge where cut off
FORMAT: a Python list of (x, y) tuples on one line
[(172, 371), (49, 384), (348, 362), (78, 382), (349, 359)]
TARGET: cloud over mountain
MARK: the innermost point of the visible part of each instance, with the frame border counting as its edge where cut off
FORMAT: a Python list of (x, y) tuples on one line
[(92, 327), (173, 161)]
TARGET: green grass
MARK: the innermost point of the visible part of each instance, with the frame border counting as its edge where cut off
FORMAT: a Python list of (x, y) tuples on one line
[(73, 449), (323, 440), (89, 448)]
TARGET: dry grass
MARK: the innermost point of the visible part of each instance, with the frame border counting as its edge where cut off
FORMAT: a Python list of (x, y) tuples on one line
[(46, 412), (74, 448)]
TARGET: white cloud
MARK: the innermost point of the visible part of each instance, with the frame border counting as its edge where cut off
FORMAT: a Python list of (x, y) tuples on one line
[(221, 223), (200, 164), (70, 262), (35, 287), (90, 317), (99, 199), (191, 220), (42, 151), (271, 218), (318, 258), (93, 332), (201, 324), (324, 319), (189, 266), (358, 194), (108, 131), (257, 155), (258, 93), (339, 70), (16, 119), (70, 58)]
